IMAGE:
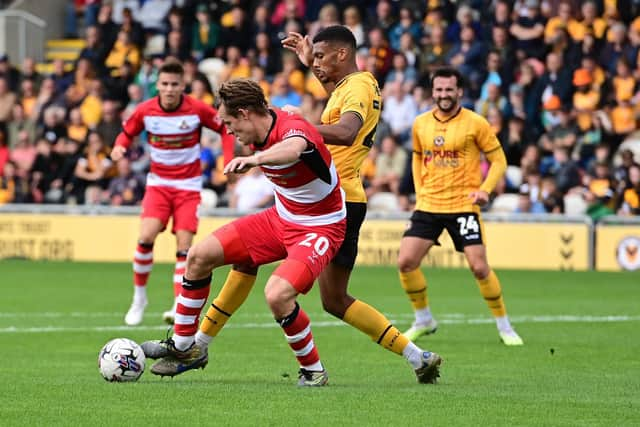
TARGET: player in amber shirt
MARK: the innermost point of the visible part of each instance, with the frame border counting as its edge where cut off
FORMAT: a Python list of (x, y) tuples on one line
[(348, 127), (448, 144)]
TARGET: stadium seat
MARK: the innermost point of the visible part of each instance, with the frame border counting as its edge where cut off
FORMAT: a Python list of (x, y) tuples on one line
[(212, 67), (209, 199), (383, 202), (504, 203), (514, 176), (574, 204), (155, 45), (631, 143)]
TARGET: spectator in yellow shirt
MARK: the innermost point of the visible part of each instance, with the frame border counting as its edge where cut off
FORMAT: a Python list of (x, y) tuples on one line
[(590, 22), (565, 20), (122, 50), (624, 84), (200, 92)]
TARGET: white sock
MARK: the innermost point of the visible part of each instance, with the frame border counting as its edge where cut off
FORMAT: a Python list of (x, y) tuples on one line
[(182, 343), (423, 315), (503, 323), (203, 340), (139, 294), (314, 367), (413, 354)]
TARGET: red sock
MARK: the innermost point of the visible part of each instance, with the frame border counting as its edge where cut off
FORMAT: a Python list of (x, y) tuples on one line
[(181, 264), (297, 329), (142, 263), (193, 296)]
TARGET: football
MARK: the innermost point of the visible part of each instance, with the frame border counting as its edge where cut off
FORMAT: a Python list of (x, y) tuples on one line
[(121, 360)]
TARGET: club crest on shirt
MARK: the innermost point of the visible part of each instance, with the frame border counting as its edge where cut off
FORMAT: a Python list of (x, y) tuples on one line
[(438, 141), (183, 125)]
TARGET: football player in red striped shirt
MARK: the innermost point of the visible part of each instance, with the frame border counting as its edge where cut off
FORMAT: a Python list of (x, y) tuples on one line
[(305, 228), (173, 123)]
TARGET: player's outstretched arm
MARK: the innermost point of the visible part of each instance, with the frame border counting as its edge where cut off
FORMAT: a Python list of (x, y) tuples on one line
[(287, 151)]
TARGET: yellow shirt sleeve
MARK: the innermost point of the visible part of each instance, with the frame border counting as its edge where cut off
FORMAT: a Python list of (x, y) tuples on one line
[(416, 161), (357, 99), (496, 170)]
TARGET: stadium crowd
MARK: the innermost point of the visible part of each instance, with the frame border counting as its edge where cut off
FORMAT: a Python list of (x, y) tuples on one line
[(557, 81)]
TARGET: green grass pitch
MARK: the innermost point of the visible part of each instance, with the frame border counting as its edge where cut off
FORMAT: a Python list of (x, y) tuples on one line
[(580, 365)]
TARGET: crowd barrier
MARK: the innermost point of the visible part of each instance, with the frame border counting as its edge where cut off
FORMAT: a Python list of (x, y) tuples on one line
[(514, 241)]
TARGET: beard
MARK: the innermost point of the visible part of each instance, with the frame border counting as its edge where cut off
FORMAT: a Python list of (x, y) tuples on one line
[(447, 105)]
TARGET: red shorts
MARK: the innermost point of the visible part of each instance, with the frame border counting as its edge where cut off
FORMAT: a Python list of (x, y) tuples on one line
[(166, 202), (264, 237)]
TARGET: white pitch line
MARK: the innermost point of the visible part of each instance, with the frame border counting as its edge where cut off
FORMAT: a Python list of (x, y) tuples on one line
[(322, 324)]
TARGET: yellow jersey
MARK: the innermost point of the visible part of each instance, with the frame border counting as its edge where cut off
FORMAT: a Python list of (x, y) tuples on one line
[(356, 93), (449, 153)]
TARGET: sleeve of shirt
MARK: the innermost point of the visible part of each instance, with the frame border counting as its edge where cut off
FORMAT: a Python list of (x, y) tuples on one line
[(416, 158), (130, 129), (357, 99), (486, 138)]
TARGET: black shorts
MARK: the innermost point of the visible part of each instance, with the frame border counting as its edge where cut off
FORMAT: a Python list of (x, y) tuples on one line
[(346, 256), (464, 228)]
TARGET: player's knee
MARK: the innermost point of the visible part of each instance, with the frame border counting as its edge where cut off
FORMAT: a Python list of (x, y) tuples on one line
[(335, 307), (274, 293), (407, 264), (280, 295), (480, 270), (198, 262)]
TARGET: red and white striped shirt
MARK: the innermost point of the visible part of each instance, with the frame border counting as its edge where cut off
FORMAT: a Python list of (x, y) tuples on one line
[(302, 196), (174, 138)]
